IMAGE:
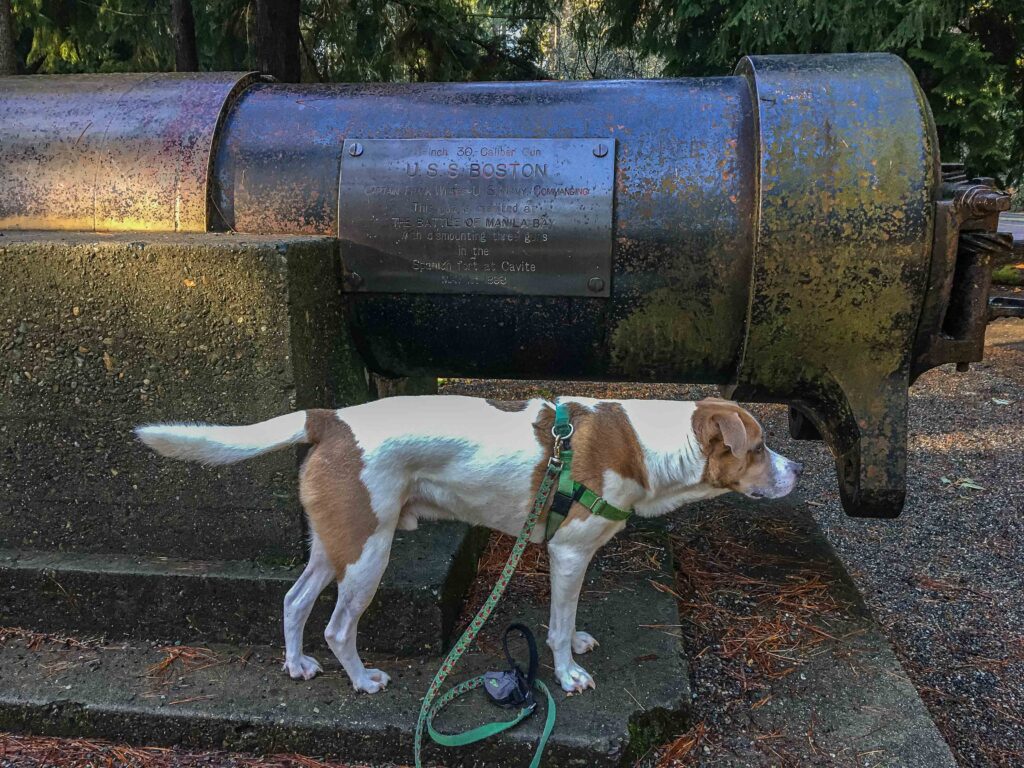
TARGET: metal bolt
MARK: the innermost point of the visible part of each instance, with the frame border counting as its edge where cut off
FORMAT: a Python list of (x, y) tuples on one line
[(991, 201), (600, 151), (981, 200), (596, 284), (355, 149), (354, 280)]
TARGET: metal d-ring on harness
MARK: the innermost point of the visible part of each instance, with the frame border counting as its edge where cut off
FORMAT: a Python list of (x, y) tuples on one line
[(514, 685)]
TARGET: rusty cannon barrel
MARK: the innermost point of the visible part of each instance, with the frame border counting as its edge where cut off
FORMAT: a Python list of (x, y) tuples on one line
[(787, 232)]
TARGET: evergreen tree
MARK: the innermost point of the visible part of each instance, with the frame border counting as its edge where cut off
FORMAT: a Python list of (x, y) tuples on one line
[(968, 57), (8, 54)]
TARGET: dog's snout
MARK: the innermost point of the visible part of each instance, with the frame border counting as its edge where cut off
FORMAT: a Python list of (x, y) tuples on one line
[(798, 468)]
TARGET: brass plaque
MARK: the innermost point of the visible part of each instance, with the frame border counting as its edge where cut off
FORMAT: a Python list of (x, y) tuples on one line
[(494, 216)]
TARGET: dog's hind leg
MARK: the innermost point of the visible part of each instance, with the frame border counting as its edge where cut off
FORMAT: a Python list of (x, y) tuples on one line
[(355, 524), (297, 605), (355, 591)]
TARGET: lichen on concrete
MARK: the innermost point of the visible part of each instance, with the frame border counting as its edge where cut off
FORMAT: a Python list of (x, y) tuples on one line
[(101, 333)]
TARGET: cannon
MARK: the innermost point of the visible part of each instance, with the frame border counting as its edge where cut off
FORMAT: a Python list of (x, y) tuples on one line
[(787, 232)]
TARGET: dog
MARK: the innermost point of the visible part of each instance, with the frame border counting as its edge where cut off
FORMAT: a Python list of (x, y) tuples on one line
[(386, 465)]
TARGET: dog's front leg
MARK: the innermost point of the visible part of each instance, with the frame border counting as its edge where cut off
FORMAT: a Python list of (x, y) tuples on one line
[(570, 551)]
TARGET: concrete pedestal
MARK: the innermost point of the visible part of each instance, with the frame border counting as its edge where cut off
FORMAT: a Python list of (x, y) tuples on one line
[(101, 333)]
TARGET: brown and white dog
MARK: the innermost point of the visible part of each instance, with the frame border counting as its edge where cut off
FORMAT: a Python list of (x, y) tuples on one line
[(388, 464)]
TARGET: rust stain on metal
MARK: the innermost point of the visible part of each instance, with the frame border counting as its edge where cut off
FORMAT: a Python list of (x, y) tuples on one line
[(110, 152)]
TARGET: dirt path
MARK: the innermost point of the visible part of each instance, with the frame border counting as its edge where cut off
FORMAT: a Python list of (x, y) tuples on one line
[(946, 578)]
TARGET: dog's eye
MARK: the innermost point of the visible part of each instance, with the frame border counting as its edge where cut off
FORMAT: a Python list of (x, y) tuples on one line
[(759, 449)]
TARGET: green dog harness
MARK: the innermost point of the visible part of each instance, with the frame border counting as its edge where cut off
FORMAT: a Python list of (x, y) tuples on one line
[(569, 491)]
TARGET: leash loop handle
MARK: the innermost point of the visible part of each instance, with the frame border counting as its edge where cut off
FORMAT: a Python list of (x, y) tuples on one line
[(531, 644), (479, 733), (491, 729)]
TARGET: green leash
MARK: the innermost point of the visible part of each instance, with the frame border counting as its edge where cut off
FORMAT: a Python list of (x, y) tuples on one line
[(569, 492), (431, 704)]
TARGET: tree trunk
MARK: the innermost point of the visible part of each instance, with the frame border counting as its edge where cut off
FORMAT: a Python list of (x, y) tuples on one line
[(183, 26), (8, 56), (277, 39)]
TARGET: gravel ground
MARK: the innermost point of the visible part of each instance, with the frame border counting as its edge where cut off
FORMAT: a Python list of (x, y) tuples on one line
[(17, 751), (944, 579)]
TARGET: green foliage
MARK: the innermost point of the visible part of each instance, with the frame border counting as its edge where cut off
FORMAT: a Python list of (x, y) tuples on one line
[(968, 57), (223, 31), (968, 97), (579, 47), (699, 37), (82, 36), (370, 40), (425, 40)]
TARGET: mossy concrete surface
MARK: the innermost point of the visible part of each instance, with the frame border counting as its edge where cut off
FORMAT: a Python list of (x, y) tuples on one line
[(100, 333), (223, 701), (861, 707)]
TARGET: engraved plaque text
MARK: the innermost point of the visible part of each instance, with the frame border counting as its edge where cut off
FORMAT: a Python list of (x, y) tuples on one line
[(497, 216)]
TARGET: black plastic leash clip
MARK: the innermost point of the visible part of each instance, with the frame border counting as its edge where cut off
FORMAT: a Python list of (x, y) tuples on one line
[(512, 687)]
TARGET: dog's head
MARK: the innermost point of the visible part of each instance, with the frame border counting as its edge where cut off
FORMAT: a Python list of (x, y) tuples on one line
[(737, 458)]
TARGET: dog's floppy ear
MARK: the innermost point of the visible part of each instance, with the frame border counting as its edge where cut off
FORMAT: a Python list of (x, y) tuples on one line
[(734, 433), (716, 420)]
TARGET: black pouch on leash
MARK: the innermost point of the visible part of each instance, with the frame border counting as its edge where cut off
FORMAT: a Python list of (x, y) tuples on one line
[(512, 687)]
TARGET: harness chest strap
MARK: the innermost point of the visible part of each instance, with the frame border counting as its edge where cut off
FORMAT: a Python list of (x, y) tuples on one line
[(570, 491)]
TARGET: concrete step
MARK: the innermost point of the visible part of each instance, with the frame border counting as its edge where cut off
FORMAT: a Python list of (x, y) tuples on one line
[(193, 601), (221, 701)]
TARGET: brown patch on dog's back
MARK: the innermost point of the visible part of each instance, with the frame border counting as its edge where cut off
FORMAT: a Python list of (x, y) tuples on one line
[(332, 491), (509, 406), (602, 439), (712, 421), (605, 439), (318, 422)]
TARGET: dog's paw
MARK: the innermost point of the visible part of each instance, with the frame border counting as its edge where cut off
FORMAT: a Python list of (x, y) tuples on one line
[(303, 668), (373, 681), (574, 678), (583, 642)]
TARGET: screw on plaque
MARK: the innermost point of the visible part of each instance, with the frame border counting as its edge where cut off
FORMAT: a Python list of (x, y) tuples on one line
[(355, 149), (354, 280), (600, 150), (596, 284)]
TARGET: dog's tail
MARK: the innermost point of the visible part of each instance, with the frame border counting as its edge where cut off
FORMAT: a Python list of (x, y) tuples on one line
[(215, 444)]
